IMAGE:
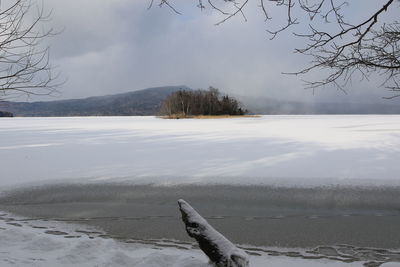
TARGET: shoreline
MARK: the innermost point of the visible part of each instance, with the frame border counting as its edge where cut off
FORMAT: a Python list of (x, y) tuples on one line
[(178, 116), (56, 242), (260, 216)]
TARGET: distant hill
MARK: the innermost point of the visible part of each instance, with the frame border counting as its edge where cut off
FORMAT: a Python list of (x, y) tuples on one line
[(148, 102), (142, 102)]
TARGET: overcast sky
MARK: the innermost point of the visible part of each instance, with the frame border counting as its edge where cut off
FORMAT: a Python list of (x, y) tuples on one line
[(115, 46)]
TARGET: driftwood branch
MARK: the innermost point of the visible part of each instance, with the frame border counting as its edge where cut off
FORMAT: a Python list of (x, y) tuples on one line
[(220, 251)]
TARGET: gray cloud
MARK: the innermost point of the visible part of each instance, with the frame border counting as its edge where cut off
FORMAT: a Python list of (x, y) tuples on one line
[(115, 46)]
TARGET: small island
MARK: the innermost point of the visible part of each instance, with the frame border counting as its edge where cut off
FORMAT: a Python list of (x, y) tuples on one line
[(202, 104)]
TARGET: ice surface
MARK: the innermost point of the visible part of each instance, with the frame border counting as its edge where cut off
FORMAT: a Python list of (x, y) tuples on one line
[(271, 149)]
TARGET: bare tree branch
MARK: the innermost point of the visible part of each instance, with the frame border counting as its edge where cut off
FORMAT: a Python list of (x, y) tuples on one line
[(24, 60), (363, 47)]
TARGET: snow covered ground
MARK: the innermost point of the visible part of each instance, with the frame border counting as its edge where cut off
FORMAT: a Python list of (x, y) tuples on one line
[(284, 150), (271, 149), (42, 243)]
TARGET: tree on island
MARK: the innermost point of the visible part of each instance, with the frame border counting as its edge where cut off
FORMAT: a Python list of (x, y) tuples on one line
[(337, 43), (24, 64), (184, 103), (6, 114)]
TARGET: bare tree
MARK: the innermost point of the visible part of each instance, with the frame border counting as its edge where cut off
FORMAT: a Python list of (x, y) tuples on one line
[(200, 102), (336, 44), (24, 59)]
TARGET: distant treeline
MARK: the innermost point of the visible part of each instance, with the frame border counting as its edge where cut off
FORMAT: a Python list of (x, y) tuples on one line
[(200, 102), (6, 114)]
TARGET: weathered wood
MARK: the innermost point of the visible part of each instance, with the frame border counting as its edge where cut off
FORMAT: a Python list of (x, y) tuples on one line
[(220, 251)]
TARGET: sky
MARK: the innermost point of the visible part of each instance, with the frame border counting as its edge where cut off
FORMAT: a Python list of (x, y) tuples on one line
[(115, 46)]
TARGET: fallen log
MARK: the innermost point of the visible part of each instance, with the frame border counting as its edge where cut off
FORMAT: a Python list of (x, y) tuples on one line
[(220, 251)]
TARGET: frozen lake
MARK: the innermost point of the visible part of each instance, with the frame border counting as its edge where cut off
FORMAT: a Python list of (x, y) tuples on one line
[(327, 184), (267, 150)]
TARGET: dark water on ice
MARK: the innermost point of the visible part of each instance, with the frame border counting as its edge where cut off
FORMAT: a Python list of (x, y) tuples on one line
[(260, 216), (347, 224)]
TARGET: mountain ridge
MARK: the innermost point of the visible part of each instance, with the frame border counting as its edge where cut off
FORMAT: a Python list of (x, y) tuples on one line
[(136, 103), (147, 102)]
